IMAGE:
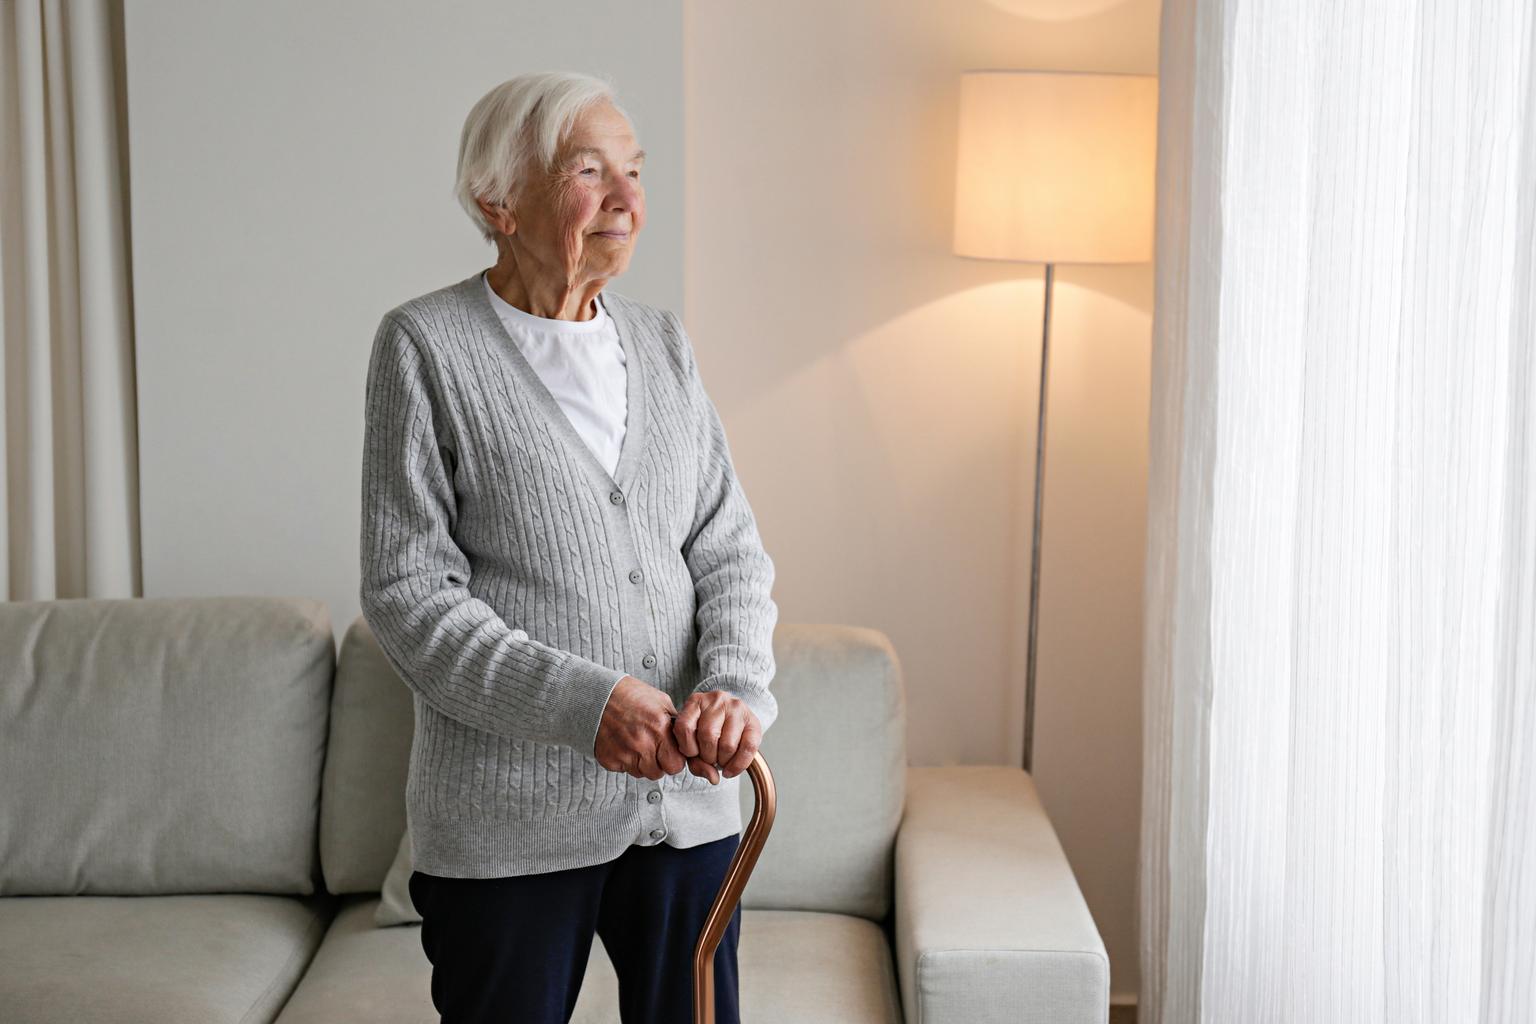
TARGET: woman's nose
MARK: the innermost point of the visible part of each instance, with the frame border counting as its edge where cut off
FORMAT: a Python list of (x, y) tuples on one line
[(624, 195)]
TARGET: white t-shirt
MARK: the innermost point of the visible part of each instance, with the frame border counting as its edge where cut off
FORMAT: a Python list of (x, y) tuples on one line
[(582, 364)]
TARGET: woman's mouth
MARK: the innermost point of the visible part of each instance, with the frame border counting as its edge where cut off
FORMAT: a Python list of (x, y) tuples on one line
[(617, 236)]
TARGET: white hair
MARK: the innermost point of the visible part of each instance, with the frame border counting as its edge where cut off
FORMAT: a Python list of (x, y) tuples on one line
[(514, 131)]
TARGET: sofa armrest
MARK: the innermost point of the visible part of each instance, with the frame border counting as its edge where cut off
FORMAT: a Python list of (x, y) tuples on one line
[(990, 924)]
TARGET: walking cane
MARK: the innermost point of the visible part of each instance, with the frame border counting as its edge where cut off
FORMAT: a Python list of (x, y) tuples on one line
[(730, 891)]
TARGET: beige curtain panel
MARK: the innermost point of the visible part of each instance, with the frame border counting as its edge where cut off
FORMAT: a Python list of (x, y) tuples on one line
[(69, 493)]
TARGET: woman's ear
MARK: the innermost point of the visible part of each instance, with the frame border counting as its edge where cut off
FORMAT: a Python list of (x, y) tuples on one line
[(499, 214)]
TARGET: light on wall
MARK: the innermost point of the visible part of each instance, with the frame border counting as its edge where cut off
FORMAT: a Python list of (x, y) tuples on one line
[(1054, 167)]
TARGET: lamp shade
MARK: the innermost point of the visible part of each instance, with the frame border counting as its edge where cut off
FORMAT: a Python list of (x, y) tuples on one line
[(1056, 167)]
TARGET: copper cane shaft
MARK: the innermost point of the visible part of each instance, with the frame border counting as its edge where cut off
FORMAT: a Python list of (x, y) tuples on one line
[(730, 891)]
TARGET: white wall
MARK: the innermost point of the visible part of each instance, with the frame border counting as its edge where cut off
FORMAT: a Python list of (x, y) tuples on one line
[(291, 177), (291, 172)]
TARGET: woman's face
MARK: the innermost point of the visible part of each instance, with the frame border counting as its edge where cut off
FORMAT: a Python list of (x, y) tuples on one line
[(579, 221)]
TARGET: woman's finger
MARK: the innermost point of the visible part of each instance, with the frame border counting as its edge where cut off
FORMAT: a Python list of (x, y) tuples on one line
[(746, 748), (704, 770), (669, 758), (730, 738), (706, 732), (650, 764), (682, 729)]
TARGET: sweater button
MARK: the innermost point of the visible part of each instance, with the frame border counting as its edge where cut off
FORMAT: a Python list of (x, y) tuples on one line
[(617, 497), (653, 795), (635, 576), (657, 833), (649, 661)]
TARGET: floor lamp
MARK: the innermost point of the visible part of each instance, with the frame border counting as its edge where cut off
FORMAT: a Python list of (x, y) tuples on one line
[(1054, 167)]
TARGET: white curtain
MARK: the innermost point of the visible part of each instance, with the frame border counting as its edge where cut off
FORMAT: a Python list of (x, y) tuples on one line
[(1339, 817), (69, 514)]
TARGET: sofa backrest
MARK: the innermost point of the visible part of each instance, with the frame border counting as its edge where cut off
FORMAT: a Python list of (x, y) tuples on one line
[(153, 746), (837, 753)]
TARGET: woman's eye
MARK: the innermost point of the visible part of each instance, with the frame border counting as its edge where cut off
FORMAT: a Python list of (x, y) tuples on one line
[(584, 170)]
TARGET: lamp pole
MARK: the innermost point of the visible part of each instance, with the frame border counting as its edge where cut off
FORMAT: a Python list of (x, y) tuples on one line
[(1034, 558)]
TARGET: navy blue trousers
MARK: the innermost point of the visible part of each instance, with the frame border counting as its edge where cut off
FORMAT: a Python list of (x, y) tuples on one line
[(514, 950)]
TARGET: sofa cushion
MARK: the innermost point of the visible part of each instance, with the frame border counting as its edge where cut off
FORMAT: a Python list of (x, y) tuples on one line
[(838, 754), (169, 959), (395, 903), (794, 966), (362, 801), (152, 746)]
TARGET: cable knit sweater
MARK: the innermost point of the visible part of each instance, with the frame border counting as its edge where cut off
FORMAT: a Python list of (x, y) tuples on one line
[(509, 579)]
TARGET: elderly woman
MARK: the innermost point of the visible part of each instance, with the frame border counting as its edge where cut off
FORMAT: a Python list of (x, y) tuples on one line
[(559, 561)]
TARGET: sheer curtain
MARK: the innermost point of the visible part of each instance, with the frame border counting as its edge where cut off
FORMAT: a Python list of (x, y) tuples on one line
[(69, 490), (1339, 817)]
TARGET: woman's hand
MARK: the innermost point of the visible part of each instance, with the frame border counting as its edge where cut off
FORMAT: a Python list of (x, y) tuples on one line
[(634, 736), (716, 728)]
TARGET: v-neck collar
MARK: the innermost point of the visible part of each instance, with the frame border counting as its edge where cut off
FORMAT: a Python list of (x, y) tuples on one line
[(485, 315)]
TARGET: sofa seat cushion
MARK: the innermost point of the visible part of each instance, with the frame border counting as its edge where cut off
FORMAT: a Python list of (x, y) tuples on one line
[(199, 959), (796, 967)]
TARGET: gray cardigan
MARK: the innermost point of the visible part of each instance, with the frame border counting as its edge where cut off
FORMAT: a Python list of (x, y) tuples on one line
[(509, 581)]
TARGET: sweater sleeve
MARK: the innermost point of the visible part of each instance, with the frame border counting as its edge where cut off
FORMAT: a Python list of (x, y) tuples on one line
[(450, 647), (732, 574)]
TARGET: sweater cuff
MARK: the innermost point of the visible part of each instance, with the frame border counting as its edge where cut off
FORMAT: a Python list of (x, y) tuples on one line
[(583, 693)]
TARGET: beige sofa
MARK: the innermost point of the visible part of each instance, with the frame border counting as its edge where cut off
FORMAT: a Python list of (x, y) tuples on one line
[(201, 801)]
